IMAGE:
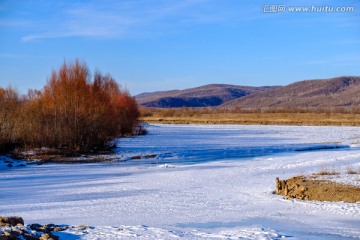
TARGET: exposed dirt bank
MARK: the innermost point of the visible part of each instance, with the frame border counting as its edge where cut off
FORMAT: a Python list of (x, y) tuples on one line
[(316, 190), (41, 156)]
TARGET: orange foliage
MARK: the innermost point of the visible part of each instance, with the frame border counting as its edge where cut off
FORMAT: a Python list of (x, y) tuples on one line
[(9, 109), (76, 112)]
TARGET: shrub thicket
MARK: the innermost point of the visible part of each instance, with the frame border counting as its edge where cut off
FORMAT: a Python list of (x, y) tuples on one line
[(72, 111), (9, 111)]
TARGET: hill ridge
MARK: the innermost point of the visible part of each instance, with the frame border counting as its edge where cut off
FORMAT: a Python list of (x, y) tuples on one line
[(343, 91), (320, 93), (209, 95)]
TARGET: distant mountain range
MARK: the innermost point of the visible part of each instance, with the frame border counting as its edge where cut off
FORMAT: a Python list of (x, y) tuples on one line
[(205, 96), (322, 93)]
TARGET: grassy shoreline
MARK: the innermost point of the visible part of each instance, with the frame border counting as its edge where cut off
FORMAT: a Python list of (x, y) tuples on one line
[(297, 119)]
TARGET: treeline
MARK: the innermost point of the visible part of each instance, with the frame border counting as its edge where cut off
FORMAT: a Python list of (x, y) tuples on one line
[(74, 110), (190, 112)]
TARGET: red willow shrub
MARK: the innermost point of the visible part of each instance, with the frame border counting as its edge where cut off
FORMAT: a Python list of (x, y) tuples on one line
[(76, 112), (9, 111)]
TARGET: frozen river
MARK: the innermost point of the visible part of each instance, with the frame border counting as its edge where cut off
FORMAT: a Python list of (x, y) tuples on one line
[(205, 182)]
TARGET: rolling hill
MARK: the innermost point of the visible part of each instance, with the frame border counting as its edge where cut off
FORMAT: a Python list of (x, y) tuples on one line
[(203, 96), (324, 93)]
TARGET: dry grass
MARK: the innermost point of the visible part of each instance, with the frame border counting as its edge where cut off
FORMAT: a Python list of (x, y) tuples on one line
[(331, 171), (314, 119), (326, 171), (350, 170)]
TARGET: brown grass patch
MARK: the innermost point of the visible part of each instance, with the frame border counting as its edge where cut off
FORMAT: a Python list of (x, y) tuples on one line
[(326, 171), (350, 170), (313, 119)]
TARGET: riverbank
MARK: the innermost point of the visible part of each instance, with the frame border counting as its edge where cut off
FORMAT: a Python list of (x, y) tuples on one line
[(53, 156), (297, 119)]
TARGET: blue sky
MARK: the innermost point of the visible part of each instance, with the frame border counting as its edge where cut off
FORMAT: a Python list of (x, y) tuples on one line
[(149, 45)]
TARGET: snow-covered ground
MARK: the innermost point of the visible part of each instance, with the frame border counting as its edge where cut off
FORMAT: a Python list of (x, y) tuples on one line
[(206, 182)]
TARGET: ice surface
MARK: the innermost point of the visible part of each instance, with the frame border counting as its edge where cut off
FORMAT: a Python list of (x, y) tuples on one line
[(145, 232), (206, 182), (7, 162)]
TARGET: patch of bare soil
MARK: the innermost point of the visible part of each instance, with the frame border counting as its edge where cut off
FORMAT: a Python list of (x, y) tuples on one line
[(316, 190)]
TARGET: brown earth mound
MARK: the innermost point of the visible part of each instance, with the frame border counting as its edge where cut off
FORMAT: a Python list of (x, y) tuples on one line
[(316, 190)]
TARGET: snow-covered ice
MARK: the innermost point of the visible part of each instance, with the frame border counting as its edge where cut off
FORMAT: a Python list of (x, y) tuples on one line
[(206, 182)]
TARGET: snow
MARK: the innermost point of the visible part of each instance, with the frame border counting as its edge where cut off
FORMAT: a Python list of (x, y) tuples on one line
[(342, 178), (145, 232), (205, 182), (5, 162)]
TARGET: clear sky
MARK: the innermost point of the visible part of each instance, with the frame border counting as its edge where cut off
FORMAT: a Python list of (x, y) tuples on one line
[(149, 45)]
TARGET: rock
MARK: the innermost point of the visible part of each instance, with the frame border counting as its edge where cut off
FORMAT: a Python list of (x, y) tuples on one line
[(45, 236), (28, 236), (17, 232), (12, 228), (35, 226), (12, 221), (16, 221), (59, 229), (7, 236), (51, 225), (45, 229), (83, 227), (48, 236), (4, 219)]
